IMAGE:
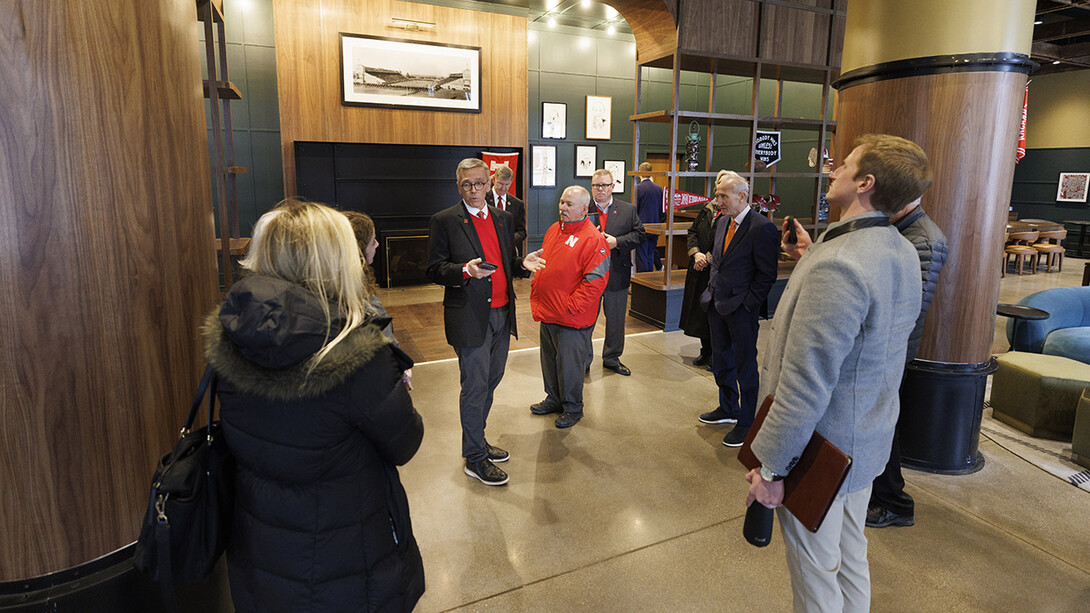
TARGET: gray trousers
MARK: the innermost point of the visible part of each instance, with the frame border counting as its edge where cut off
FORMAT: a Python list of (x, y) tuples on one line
[(564, 354), (481, 369), (613, 304)]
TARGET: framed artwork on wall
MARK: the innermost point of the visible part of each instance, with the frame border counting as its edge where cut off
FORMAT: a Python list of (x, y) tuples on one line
[(599, 109), (616, 168), (554, 117), (585, 157), (543, 170), (1073, 187), (393, 73)]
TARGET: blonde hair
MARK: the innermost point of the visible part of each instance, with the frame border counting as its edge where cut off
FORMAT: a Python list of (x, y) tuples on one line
[(312, 245)]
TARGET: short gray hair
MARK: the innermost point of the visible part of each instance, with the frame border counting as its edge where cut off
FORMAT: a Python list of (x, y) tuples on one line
[(733, 178), (503, 172), (469, 164), (578, 191)]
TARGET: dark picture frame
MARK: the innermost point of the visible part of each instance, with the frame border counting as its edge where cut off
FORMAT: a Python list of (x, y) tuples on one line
[(616, 168), (554, 120), (543, 166), (599, 117), (404, 74), (586, 156)]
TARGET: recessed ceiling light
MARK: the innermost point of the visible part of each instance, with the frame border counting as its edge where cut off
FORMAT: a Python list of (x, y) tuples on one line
[(585, 4), (1056, 62), (552, 22), (1038, 22), (611, 30)]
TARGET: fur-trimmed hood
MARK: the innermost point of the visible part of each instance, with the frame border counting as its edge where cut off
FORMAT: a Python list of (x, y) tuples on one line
[(261, 339)]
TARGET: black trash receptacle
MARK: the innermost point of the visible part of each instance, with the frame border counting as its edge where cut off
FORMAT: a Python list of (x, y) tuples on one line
[(941, 407)]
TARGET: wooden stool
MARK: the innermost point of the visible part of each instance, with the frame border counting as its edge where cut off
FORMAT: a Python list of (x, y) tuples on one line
[(1020, 246), (1048, 245)]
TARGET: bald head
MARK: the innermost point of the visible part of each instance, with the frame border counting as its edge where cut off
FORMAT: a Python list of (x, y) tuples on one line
[(574, 203)]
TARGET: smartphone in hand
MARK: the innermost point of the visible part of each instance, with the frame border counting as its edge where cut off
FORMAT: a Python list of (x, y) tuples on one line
[(792, 234), (486, 266)]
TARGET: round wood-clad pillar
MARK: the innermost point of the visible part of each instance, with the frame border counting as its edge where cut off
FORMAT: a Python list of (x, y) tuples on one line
[(107, 263), (950, 77)]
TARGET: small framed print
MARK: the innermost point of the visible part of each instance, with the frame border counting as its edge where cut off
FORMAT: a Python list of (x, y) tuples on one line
[(1073, 187), (585, 157), (599, 109), (554, 117), (616, 168), (543, 170)]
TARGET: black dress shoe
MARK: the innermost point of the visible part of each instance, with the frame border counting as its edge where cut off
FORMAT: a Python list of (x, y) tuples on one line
[(717, 416), (496, 454), (735, 437), (702, 359), (486, 472), (543, 408), (880, 517), (567, 420), (618, 368)]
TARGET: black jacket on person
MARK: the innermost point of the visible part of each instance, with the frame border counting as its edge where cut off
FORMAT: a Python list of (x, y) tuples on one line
[(321, 520), (930, 243)]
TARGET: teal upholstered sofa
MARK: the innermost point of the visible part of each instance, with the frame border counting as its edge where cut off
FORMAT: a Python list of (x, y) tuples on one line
[(1065, 333)]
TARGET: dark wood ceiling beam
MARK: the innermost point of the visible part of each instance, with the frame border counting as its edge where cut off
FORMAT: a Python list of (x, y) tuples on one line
[(1061, 29), (1047, 52)]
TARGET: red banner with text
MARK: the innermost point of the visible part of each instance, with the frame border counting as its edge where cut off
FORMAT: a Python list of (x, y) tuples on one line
[(495, 160)]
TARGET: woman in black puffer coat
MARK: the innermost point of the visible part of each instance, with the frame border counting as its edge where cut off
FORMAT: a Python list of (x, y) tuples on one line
[(317, 415)]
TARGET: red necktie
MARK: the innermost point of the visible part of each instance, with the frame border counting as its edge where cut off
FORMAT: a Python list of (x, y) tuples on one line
[(480, 214)]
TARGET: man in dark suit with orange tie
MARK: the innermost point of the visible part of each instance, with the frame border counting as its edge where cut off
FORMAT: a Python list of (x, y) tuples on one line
[(743, 269), (500, 198), (471, 252)]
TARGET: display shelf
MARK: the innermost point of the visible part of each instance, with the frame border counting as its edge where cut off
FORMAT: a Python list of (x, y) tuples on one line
[(735, 120), (226, 89)]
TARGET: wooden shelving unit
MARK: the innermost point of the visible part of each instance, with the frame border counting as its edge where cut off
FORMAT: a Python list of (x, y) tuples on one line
[(225, 172), (703, 46)]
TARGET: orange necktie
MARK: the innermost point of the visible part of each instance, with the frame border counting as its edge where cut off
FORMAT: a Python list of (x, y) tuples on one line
[(730, 235)]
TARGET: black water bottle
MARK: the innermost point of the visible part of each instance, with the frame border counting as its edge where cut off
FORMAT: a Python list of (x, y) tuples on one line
[(758, 526)]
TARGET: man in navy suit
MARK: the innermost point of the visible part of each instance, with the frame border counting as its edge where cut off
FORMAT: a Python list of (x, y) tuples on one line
[(471, 252), (499, 197), (743, 269), (623, 230), (649, 206)]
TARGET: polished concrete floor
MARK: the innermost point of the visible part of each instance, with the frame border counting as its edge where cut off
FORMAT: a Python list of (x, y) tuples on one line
[(639, 507)]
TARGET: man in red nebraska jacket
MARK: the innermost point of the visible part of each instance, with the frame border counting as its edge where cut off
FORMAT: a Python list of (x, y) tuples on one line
[(564, 298)]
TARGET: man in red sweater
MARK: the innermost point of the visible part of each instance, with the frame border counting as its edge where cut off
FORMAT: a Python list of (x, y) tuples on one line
[(564, 298)]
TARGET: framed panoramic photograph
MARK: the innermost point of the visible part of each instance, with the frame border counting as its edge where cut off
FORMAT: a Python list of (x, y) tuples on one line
[(585, 156), (598, 117), (616, 168), (392, 73), (554, 117), (543, 169), (1073, 187)]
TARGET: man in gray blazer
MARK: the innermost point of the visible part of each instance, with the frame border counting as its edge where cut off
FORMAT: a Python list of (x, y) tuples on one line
[(835, 355), (623, 230)]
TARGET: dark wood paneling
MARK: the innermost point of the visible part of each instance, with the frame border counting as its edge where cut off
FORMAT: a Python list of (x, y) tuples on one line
[(967, 123), (308, 76), (107, 260), (719, 27), (793, 35)]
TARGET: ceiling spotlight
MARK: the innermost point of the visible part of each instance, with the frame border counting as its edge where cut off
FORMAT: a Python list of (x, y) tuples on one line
[(585, 4), (610, 12), (611, 30), (1038, 22), (552, 22), (1056, 62)]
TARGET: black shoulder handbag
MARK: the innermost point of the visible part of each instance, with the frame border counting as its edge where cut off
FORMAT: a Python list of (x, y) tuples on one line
[(189, 512)]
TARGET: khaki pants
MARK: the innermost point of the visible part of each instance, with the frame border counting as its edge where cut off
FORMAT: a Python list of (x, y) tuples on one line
[(829, 570)]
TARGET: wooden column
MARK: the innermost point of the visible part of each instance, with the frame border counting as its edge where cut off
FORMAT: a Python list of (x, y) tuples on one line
[(957, 91), (107, 263)]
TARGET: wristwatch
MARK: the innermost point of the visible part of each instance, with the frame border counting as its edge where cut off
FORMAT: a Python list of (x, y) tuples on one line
[(768, 475)]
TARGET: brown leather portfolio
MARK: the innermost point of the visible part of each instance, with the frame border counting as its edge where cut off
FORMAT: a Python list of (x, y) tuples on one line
[(815, 480)]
